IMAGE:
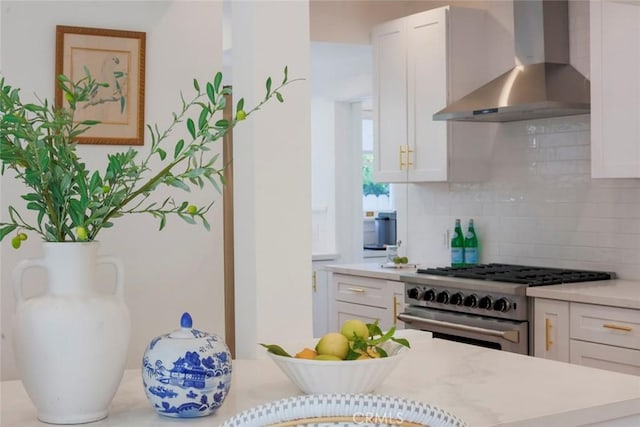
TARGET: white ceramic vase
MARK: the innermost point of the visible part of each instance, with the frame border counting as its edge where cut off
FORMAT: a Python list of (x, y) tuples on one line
[(71, 342)]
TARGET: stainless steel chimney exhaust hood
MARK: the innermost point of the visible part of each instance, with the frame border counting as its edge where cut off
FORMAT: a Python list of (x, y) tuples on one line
[(542, 84)]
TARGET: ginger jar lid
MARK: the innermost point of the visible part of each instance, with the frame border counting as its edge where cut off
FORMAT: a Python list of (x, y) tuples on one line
[(186, 330)]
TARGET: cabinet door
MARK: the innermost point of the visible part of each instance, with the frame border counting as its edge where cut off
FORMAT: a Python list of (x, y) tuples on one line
[(320, 300), (427, 93), (615, 89), (551, 329), (390, 101)]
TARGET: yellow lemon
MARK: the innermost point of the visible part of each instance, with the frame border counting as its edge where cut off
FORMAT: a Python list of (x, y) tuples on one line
[(333, 344), (326, 357), (355, 328)]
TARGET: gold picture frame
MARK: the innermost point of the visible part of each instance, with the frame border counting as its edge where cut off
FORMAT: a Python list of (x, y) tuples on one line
[(116, 57)]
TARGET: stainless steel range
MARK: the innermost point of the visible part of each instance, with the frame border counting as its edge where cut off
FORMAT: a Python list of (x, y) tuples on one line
[(484, 304)]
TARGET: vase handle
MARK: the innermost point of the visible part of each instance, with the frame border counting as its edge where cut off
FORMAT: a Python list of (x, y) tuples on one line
[(119, 272), (19, 271)]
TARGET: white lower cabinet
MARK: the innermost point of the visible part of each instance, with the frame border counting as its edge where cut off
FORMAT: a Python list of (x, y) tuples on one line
[(365, 298), (588, 334), (551, 332)]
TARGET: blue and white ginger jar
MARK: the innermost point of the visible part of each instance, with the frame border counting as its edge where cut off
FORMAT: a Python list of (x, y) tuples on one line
[(186, 373)]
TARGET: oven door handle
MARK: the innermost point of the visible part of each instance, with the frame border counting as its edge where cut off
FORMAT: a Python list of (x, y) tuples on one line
[(513, 336)]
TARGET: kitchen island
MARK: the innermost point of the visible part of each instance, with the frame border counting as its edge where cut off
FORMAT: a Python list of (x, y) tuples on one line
[(482, 386)]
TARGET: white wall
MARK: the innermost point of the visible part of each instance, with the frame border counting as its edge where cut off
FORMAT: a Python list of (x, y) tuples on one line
[(350, 21), (323, 219), (540, 206), (272, 176), (341, 73), (168, 272)]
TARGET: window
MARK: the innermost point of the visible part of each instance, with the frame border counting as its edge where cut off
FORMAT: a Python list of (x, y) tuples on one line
[(375, 196)]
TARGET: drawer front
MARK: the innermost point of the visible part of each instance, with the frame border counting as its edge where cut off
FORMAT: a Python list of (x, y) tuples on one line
[(361, 290), (601, 356), (347, 311), (605, 325)]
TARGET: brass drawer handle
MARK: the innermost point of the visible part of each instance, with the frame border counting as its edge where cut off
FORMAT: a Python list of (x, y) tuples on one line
[(547, 334), (395, 310), (617, 327), (358, 290)]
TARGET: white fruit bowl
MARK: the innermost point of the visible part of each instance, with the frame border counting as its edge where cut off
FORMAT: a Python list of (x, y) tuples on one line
[(340, 376)]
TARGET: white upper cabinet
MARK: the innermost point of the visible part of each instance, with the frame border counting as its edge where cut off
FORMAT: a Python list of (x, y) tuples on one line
[(390, 101), (615, 89), (427, 94), (421, 63)]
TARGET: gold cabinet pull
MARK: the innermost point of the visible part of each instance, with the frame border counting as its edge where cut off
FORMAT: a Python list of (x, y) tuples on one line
[(314, 285), (402, 152), (617, 327), (395, 310), (358, 290), (409, 162), (547, 333)]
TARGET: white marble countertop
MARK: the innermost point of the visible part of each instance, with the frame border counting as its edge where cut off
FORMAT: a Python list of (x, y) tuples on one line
[(482, 386), (617, 293), (325, 256), (371, 269)]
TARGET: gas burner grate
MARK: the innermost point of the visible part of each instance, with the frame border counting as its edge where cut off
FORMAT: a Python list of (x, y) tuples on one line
[(520, 274)]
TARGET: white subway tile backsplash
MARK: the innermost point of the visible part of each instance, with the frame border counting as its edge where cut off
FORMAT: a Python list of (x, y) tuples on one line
[(516, 250), (614, 195), (575, 152), (540, 207)]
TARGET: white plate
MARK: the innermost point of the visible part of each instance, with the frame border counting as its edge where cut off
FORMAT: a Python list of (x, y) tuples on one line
[(344, 410)]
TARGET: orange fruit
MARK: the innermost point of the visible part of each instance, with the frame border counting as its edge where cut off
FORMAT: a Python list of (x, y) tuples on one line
[(306, 353)]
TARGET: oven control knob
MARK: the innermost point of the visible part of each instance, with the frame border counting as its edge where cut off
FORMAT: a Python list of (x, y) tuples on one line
[(413, 293), (471, 301), (456, 299), (486, 303), (502, 304), (443, 297), (430, 295)]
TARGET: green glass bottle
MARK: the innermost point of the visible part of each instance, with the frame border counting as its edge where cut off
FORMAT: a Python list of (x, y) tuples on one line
[(457, 246), (471, 254)]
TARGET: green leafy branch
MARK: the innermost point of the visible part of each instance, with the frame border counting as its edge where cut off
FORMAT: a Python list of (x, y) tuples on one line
[(37, 141), (372, 344)]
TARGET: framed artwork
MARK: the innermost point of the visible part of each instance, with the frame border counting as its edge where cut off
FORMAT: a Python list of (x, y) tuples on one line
[(115, 57)]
